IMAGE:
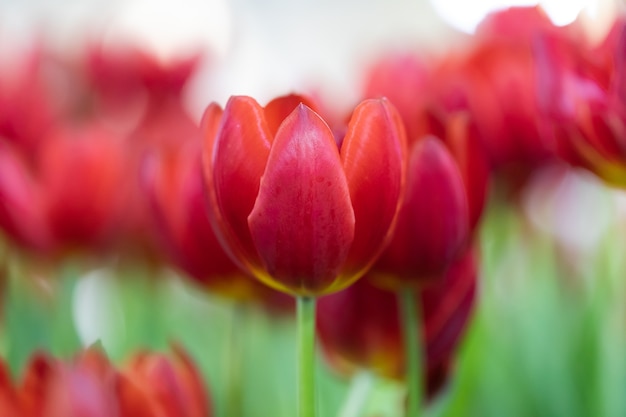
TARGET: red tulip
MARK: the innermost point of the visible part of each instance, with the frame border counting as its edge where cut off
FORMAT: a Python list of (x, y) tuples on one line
[(152, 385), (304, 215), (21, 214), (432, 227), (407, 82), (172, 388), (360, 326), (82, 173), (175, 188), (583, 102)]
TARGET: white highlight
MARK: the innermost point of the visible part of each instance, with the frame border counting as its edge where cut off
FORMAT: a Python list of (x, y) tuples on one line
[(97, 312), (465, 15)]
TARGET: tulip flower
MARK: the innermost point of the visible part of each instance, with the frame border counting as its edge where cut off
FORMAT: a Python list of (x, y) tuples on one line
[(360, 327), (303, 212), (432, 227), (21, 217), (93, 161), (304, 215), (151, 385), (408, 83), (581, 94), (174, 185)]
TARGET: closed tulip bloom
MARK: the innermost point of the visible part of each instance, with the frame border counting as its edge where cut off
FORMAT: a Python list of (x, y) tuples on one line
[(360, 326), (174, 186), (432, 227), (151, 385), (305, 213), (81, 173)]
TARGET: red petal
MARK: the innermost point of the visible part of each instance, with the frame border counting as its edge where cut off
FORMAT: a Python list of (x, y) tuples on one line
[(21, 214), (464, 143), (302, 222), (278, 109), (234, 159), (373, 155), (433, 222)]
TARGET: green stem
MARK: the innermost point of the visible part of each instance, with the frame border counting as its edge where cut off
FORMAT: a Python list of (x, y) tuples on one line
[(234, 358), (360, 388), (412, 349), (306, 356)]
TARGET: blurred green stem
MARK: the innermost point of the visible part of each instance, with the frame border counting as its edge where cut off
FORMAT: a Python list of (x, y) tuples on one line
[(306, 356), (360, 388), (412, 350), (234, 358)]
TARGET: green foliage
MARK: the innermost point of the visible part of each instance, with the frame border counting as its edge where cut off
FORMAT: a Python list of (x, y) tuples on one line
[(545, 341)]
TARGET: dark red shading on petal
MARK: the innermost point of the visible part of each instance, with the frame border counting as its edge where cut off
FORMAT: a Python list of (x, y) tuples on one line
[(21, 214), (463, 140), (373, 155), (433, 221), (9, 404), (359, 327), (33, 390), (302, 222)]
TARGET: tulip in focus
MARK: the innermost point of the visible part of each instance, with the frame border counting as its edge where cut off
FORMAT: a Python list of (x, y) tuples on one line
[(306, 214)]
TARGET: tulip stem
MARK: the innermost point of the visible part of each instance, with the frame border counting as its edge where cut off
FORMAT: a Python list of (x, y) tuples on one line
[(234, 359), (306, 356), (412, 349)]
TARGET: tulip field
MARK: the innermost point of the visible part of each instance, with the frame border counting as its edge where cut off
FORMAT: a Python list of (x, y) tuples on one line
[(449, 245)]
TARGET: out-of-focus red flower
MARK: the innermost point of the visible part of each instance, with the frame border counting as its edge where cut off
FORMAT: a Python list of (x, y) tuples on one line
[(175, 187), (433, 224), (359, 327), (304, 214), (21, 214), (584, 102), (82, 174), (151, 385), (406, 81), (494, 79)]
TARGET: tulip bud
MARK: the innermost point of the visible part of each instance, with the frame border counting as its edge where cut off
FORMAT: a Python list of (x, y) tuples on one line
[(432, 225), (152, 385), (360, 326), (303, 215), (175, 188)]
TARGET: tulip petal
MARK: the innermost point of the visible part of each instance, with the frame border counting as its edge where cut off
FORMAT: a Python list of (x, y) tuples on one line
[(433, 221), (373, 156), (278, 109), (234, 160), (302, 222)]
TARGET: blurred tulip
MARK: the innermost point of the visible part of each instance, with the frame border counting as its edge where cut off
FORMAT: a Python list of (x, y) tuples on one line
[(433, 222), (494, 79), (584, 103), (82, 174), (152, 385), (172, 388), (406, 81), (303, 214), (360, 327), (175, 188), (21, 214)]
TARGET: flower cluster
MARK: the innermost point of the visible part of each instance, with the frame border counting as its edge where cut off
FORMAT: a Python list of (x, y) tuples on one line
[(150, 385), (265, 202)]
